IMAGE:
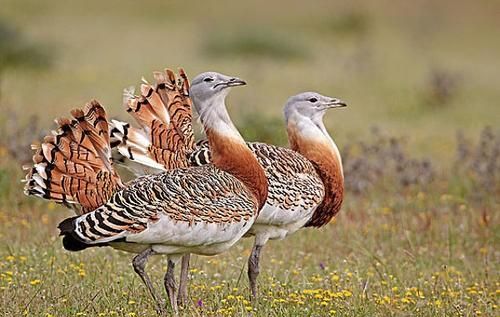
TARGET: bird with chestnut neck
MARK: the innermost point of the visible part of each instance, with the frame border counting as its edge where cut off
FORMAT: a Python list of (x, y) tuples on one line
[(201, 210)]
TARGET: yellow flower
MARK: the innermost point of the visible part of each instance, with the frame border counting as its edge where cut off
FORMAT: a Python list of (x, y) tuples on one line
[(10, 258), (335, 278), (346, 293), (35, 282), (131, 302), (249, 308), (386, 210)]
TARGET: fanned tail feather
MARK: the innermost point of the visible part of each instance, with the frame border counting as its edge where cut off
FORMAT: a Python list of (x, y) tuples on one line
[(163, 112), (175, 94), (135, 146), (73, 166)]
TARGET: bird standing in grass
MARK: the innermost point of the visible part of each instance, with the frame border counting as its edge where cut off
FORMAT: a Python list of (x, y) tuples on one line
[(305, 182), (202, 210)]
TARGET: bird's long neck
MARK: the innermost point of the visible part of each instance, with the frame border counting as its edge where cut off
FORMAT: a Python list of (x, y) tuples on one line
[(230, 152), (310, 138)]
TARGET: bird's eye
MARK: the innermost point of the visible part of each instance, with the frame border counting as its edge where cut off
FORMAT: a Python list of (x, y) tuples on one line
[(313, 99), (208, 79)]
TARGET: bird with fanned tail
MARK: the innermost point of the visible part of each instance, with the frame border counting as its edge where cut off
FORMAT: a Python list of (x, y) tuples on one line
[(202, 210)]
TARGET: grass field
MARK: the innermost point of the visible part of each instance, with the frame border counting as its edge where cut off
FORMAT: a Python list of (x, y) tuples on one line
[(403, 244)]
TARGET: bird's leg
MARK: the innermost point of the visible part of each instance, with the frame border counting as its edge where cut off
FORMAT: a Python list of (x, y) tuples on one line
[(139, 264), (182, 297), (170, 286), (253, 268)]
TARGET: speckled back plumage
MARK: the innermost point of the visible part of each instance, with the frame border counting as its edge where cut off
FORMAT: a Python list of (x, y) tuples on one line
[(293, 181), (195, 195)]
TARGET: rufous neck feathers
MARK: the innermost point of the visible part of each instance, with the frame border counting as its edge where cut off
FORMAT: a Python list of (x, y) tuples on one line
[(310, 138), (231, 154)]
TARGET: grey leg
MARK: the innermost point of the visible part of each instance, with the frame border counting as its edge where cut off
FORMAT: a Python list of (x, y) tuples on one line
[(170, 286), (139, 264), (182, 297), (253, 269)]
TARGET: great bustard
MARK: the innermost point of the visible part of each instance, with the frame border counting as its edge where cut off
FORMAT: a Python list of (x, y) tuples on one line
[(201, 210), (305, 182)]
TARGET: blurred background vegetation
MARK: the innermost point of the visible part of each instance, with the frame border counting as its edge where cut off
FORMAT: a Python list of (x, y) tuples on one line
[(421, 69)]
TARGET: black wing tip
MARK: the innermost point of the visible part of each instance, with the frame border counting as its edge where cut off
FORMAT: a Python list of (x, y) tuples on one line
[(67, 226), (70, 242)]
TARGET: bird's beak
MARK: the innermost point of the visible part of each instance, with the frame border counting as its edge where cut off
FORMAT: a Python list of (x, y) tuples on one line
[(235, 82), (232, 82), (335, 103)]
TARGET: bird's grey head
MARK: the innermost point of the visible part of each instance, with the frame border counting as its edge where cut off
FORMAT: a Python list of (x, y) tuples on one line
[(210, 86), (311, 105)]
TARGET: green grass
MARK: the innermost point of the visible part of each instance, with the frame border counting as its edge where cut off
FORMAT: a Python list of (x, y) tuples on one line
[(429, 250), (425, 251)]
